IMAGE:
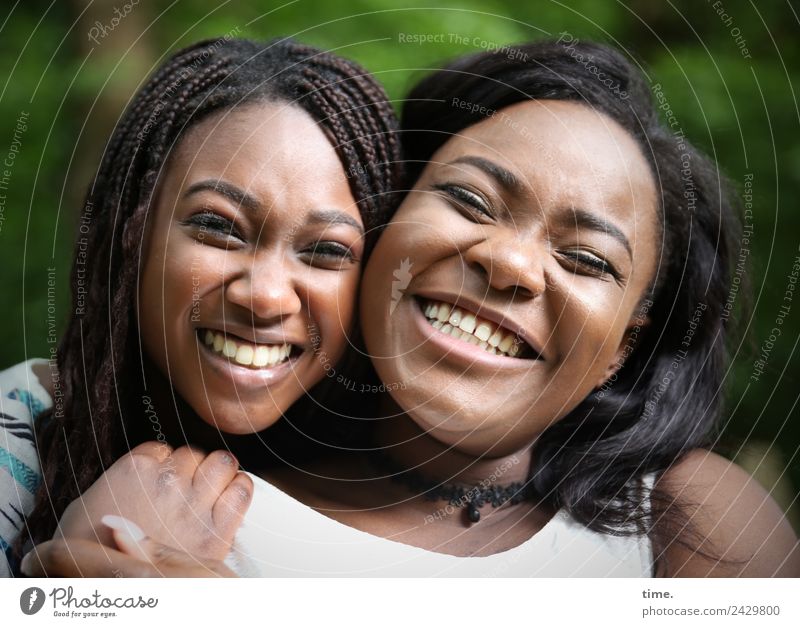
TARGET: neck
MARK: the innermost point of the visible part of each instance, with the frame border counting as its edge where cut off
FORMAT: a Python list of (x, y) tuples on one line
[(408, 446)]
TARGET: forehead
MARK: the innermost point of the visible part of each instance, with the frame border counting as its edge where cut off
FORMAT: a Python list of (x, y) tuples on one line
[(565, 153), (270, 149)]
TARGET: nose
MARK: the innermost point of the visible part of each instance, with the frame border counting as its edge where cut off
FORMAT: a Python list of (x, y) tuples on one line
[(509, 264), (266, 286)]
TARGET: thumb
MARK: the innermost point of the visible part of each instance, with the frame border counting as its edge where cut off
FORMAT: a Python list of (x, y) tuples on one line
[(130, 539)]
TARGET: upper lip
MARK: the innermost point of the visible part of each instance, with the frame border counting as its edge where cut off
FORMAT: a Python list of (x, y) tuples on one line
[(481, 310), (254, 335)]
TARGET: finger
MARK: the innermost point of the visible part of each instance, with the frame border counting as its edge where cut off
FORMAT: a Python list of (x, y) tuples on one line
[(232, 505), (215, 473), (131, 540), (185, 460), (159, 450), (127, 536), (82, 558)]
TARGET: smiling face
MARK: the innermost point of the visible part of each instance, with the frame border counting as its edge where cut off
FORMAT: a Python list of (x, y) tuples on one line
[(531, 239), (252, 265)]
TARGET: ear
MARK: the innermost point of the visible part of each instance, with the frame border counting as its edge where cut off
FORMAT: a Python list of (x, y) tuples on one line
[(629, 341)]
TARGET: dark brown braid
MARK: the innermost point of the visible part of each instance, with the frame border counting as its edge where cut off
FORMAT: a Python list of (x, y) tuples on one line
[(98, 357)]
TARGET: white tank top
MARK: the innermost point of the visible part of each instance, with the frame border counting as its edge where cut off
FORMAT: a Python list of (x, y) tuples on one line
[(281, 537)]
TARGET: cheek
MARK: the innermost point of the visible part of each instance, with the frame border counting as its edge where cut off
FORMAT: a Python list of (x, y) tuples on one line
[(171, 274), (332, 305), (401, 253), (591, 318), (176, 275), (408, 245)]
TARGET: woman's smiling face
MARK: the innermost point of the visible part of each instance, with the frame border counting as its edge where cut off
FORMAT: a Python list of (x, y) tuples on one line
[(252, 265), (501, 292)]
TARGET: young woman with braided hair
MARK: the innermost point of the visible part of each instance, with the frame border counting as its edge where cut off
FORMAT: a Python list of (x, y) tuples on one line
[(224, 231)]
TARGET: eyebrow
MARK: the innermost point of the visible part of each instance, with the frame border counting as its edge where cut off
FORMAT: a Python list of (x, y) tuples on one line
[(229, 191), (591, 221), (505, 177), (331, 216)]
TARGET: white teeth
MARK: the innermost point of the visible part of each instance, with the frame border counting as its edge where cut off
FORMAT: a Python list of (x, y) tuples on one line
[(229, 348), (467, 323), (455, 317), (483, 332), (245, 353), (261, 356), (467, 327), (219, 342)]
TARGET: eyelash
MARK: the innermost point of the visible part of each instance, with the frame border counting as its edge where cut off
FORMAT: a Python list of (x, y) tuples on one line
[(598, 266), (330, 250), (466, 197), (213, 222)]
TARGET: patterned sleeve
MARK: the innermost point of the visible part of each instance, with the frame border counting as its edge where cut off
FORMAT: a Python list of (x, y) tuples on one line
[(22, 400)]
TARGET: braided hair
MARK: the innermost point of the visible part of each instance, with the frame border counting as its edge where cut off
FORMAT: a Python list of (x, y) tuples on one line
[(97, 357)]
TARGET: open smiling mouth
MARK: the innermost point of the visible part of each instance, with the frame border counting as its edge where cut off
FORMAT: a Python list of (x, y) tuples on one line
[(467, 327), (239, 351)]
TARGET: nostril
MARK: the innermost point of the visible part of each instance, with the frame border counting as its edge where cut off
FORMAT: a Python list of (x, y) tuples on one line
[(479, 269)]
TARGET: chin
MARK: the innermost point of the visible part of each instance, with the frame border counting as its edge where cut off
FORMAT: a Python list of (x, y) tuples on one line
[(235, 421), (475, 432)]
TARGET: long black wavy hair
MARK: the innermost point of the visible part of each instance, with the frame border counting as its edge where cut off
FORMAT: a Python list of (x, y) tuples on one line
[(650, 413), (98, 357)]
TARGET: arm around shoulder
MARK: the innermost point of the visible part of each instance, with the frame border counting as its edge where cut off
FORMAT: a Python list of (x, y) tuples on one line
[(735, 519)]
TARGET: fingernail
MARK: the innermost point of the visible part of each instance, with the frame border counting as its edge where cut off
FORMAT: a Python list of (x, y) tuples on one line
[(26, 563), (118, 523)]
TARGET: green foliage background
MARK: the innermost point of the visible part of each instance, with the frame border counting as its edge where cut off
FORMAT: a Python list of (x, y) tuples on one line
[(744, 112)]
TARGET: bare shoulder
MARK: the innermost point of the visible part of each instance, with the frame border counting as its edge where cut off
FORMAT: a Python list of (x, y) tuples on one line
[(735, 519)]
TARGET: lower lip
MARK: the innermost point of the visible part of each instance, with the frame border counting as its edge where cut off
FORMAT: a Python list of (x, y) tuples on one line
[(464, 352), (246, 376)]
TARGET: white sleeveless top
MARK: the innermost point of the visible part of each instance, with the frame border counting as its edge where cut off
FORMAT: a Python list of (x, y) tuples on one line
[(281, 537)]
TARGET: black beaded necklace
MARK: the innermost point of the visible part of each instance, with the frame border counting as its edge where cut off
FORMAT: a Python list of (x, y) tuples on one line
[(474, 497)]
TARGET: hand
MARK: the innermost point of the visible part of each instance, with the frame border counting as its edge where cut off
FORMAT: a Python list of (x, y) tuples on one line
[(181, 498), (135, 555)]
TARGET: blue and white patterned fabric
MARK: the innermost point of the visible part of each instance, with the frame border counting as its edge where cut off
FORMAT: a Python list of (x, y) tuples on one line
[(22, 400)]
